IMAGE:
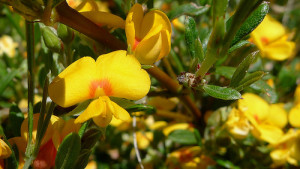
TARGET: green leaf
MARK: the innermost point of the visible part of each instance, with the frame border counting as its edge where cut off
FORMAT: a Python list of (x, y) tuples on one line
[(250, 79), (90, 138), (187, 9), (141, 108), (15, 118), (241, 70), (192, 39), (223, 93), (225, 71), (147, 66), (198, 137), (219, 9), (239, 45), (267, 91), (68, 152), (226, 164), (6, 79), (251, 22), (83, 159), (65, 33), (80, 108), (183, 137)]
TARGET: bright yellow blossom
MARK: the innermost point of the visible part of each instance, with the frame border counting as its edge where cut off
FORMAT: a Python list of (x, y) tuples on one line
[(7, 46), (266, 120), (4, 150), (115, 74), (271, 38), (287, 149), (149, 35)]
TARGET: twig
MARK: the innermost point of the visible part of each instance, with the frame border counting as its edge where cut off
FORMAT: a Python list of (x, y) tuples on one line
[(137, 152)]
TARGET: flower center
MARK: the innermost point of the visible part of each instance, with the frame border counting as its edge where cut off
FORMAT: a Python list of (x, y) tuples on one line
[(100, 87), (264, 40)]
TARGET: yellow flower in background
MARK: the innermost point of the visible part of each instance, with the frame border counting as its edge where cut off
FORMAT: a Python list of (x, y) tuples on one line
[(237, 124), (266, 120), (272, 40), (98, 12), (294, 116), (144, 139), (115, 74), (7, 46), (55, 133), (177, 126), (287, 149), (297, 95), (5, 151), (149, 35)]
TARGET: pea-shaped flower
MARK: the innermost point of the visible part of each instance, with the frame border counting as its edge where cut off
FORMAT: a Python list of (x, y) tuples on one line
[(271, 39), (148, 36), (114, 74)]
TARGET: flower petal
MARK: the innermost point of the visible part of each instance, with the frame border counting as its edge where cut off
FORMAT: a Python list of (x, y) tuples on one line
[(119, 112), (294, 116), (124, 75), (166, 44), (268, 133), (95, 108), (133, 22), (148, 51), (4, 150), (277, 116), (72, 86), (105, 19), (280, 49)]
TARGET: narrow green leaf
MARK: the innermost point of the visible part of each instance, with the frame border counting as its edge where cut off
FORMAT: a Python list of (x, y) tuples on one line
[(238, 45), (90, 138), (183, 137), (192, 39), (241, 70), (187, 9), (267, 91), (223, 93), (68, 152), (252, 22), (226, 164), (6, 79), (198, 137), (80, 108), (248, 80), (225, 71), (141, 108), (83, 159)]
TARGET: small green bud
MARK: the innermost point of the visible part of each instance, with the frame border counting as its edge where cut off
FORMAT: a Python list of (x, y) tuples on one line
[(51, 40), (65, 33)]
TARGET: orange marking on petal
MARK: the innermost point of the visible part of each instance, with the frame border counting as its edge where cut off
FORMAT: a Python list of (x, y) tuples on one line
[(136, 42), (256, 118), (46, 156), (264, 40), (104, 84)]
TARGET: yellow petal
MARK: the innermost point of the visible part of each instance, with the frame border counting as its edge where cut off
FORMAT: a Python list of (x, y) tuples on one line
[(133, 22), (279, 156), (87, 5), (166, 44), (148, 51), (94, 109), (158, 125), (73, 85), (294, 116), (4, 150), (177, 126), (103, 120), (152, 20), (237, 124), (105, 19), (277, 116), (143, 139), (123, 74), (268, 133), (279, 50), (119, 112), (254, 106), (269, 30)]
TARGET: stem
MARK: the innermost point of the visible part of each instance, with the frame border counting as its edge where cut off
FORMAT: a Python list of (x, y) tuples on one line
[(75, 20), (30, 64), (135, 144)]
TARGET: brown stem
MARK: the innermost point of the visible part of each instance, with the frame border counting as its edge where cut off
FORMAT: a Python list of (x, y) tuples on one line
[(75, 20)]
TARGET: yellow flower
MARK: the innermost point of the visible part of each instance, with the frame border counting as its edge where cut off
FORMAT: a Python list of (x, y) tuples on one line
[(97, 12), (294, 116), (144, 139), (237, 124), (55, 133), (271, 38), (115, 74), (148, 36), (7, 46), (287, 149), (176, 126), (297, 95), (4, 150), (266, 120)]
